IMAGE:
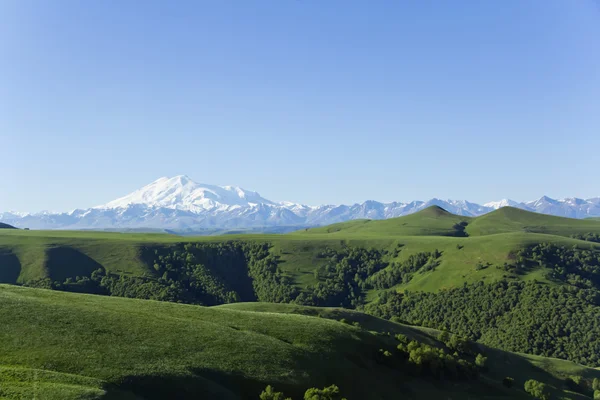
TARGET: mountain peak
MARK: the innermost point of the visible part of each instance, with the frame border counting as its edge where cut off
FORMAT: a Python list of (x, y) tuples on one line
[(502, 203), (182, 193)]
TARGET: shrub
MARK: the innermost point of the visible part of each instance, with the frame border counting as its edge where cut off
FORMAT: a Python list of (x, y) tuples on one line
[(480, 361), (270, 394), (537, 389), (329, 393)]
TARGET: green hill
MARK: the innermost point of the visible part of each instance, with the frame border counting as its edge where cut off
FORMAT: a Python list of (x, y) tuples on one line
[(6, 226), (492, 240), (351, 267), (509, 219), (435, 221), (60, 345), (432, 221)]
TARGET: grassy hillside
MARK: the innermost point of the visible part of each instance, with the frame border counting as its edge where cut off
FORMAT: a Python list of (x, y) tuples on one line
[(60, 345), (493, 239), (509, 219), (6, 226), (433, 221)]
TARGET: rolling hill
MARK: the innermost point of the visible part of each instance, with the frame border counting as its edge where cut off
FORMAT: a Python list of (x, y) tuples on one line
[(60, 345), (352, 265), (464, 242), (6, 226), (435, 221)]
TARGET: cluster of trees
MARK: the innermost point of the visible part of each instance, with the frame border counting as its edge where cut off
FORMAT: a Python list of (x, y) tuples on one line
[(195, 273), (329, 393), (574, 266), (343, 277), (422, 359), (226, 272), (590, 237), (350, 271), (553, 321), (402, 272)]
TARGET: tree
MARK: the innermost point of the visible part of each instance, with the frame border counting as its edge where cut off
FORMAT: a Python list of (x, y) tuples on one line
[(270, 394), (329, 393), (596, 394), (537, 389), (480, 361), (596, 384), (508, 381), (444, 337)]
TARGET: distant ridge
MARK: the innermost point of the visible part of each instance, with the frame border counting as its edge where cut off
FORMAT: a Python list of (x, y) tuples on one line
[(6, 226), (435, 221), (180, 204)]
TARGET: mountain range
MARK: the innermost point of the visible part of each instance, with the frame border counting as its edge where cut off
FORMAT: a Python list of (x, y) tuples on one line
[(182, 205)]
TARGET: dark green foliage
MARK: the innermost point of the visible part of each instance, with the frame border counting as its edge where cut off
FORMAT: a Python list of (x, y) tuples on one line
[(480, 361), (480, 266), (329, 393), (596, 384), (426, 360), (343, 278), (596, 394), (561, 322), (402, 272), (270, 394), (459, 229), (590, 237), (537, 389), (200, 273), (269, 283), (574, 266)]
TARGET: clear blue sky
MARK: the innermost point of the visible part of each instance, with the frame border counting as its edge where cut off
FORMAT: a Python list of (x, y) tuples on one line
[(305, 100)]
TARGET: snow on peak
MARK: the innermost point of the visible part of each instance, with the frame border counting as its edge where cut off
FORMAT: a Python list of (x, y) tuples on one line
[(182, 193), (501, 203)]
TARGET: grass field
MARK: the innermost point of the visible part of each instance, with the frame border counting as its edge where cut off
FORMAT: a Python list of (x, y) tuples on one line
[(60, 345)]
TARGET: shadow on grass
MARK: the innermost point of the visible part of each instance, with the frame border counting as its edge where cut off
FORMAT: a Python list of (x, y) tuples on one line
[(199, 384), (10, 267), (67, 262)]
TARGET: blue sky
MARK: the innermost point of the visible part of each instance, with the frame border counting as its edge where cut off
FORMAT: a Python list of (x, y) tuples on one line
[(304, 100)]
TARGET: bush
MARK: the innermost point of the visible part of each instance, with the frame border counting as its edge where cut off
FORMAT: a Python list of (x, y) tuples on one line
[(270, 394), (596, 394), (329, 393), (480, 361), (537, 389)]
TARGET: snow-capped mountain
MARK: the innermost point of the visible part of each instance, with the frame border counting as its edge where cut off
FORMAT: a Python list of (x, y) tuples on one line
[(505, 203), (179, 203), (181, 193)]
